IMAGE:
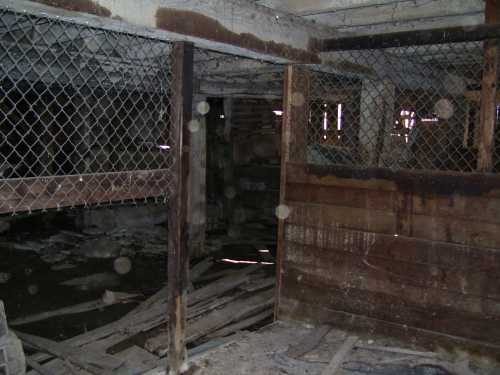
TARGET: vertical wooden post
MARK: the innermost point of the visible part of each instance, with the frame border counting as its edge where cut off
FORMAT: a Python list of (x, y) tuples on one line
[(293, 149), (178, 256), (488, 92), (197, 208), (228, 162)]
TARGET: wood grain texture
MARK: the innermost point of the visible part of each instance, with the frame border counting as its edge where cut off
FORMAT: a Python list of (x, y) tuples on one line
[(38, 193), (414, 250), (178, 237)]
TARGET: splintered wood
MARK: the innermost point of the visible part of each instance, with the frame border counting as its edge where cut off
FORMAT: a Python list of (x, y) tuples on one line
[(229, 303)]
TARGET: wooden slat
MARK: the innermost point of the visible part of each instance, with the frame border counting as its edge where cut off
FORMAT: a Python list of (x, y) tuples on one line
[(470, 208), (441, 285), (398, 248), (29, 194), (178, 255), (418, 182), (293, 309), (403, 309), (457, 231)]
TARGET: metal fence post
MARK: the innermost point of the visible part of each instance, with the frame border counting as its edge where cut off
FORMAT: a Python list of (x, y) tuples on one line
[(178, 256)]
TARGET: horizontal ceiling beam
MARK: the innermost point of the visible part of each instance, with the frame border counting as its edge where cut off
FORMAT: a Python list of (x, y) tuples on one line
[(230, 26), (401, 11), (313, 7), (413, 38), (418, 24)]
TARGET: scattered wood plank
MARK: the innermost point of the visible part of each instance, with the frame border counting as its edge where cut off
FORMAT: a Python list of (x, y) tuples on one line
[(308, 343), (339, 357), (256, 285), (96, 363), (238, 326), (145, 319), (138, 360), (94, 281), (217, 319), (199, 269), (111, 299), (38, 367), (235, 311), (397, 350)]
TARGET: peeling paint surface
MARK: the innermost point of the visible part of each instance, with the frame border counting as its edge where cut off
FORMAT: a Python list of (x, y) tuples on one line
[(84, 6), (199, 25)]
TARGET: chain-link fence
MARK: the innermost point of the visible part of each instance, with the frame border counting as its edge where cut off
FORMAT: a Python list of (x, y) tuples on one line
[(415, 107), (85, 114)]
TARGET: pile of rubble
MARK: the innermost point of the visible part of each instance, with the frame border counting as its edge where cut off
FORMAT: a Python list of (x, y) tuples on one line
[(219, 304)]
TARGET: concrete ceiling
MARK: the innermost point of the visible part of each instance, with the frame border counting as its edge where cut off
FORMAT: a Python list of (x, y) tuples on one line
[(378, 16)]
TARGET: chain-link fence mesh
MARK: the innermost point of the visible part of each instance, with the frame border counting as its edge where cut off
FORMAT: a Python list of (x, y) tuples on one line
[(413, 107), (85, 114)]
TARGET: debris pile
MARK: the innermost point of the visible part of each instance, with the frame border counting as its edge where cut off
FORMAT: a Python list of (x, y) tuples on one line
[(219, 304)]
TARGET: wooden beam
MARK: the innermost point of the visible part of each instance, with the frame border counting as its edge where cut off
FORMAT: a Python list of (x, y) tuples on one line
[(311, 7), (237, 27), (178, 257), (398, 11), (413, 38), (467, 20), (39, 193), (488, 93), (197, 215), (293, 147)]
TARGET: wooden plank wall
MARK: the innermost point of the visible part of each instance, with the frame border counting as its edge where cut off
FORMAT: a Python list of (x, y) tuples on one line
[(414, 249), (410, 254)]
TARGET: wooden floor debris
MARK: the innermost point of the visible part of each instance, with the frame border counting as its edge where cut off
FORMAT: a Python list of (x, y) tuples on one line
[(109, 298), (339, 357), (136, 343), (309, 342)]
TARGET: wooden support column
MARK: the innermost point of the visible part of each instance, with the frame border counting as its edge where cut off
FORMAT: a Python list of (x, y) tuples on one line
[(197, 206), (229, 191), (293, 148), (488, 92), (178, 256)]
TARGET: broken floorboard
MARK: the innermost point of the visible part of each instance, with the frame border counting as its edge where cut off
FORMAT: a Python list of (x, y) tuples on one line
[(109, 298), (211, 308)]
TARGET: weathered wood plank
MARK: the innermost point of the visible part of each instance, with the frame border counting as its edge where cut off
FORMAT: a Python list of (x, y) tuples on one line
[(309, 342), (96, 363), (398, 248), (404, 308), (337, 360), (293, 309), (418, 182), (296, 85), (469, 208), (29, 194), (178, 239), (441, 284), (488, 113), (432, 228), (114, 298)]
